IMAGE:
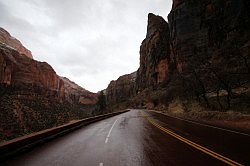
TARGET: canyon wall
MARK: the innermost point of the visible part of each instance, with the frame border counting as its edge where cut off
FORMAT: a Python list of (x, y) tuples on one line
[(201, 54), (154, 65), (154, 54), (10, 41), (76, 94), (210, 46), (29, 75), (121, 89), (33, 97)]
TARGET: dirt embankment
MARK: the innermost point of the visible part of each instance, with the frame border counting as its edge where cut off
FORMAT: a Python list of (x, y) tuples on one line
[(193, 111)]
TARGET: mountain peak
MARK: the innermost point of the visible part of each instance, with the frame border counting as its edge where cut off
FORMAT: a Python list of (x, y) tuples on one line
[(155, 23), (7, 39)]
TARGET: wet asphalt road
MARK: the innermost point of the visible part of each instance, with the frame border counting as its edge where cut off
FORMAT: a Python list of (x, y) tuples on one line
[(129, 139)]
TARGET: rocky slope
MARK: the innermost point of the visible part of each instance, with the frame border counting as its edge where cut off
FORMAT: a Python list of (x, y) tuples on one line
[(33, 97), (201, 54), (7, 39)]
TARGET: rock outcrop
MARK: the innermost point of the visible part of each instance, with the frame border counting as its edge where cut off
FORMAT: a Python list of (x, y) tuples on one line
[(154, 54), (20, 70), (10, 41), (201, 54), (154, 64), (209, 43), (29, 75), (76, 94), (121, 89), (33, 97), (201, 29)]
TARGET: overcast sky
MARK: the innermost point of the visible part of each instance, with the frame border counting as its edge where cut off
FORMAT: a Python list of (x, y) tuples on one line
[(89, 41)]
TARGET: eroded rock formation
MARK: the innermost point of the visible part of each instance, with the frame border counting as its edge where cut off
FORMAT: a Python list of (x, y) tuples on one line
[(201, 54), (27, 74), (121, 89), (76, 94), (33, 97), (209, 41), (7, 39), (154, 54)]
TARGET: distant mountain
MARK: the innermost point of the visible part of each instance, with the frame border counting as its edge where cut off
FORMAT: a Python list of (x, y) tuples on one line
[(33, 97), (74, 92), (121, 89)]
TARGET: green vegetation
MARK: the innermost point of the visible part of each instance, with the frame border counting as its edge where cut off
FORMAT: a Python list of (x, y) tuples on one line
[(24, 112), (101, 104)]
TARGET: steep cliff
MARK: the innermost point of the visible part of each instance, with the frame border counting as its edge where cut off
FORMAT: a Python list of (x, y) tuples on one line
[(33, 97), (76, 94), (7, 39), (121, 90), (201, 54), (210, 47), (153, 72), (29, 75), (154, 54)]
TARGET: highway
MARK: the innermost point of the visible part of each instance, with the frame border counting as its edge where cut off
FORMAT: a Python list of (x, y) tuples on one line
[(141, 138)]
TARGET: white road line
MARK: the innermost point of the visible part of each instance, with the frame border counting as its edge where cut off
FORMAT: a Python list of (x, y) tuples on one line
[(219, 128), (101, 164), (107, 138)]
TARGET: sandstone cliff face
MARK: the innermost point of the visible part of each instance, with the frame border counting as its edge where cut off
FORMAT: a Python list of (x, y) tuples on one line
[(201, 54), (76, 94), (33, 97), (7, 39), (199, 30), (121, 89), (187, 38), (27, 74), (154, 54), (209, 43)]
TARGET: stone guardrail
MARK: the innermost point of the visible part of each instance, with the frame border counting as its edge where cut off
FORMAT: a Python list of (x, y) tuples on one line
[(22, 144)]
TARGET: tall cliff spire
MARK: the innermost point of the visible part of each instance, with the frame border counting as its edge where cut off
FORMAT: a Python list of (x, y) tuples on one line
[(155, 23)]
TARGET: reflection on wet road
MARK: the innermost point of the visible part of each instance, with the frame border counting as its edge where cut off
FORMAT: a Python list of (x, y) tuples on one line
[(130, 139)]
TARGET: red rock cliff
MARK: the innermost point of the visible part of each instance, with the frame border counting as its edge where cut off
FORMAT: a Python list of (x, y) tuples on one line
[(154, 54), (76, 94), (202, 51), (7, 39), (33, 97), (27, 74), (121, 89)]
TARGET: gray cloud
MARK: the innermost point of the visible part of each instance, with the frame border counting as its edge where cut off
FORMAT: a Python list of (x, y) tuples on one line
[(90, 42)]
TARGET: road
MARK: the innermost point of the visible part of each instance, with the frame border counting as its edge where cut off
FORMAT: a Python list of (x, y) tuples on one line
[(141, 137)]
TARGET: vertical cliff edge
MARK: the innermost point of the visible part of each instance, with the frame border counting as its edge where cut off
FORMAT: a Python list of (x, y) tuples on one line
[(198, 60)]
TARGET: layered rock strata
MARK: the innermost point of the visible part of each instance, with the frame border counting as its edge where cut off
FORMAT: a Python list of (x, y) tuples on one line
[(33, 97), (7, 39)]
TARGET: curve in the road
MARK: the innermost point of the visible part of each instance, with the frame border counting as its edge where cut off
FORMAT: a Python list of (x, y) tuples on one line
[(202, 124), (195, 145)]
